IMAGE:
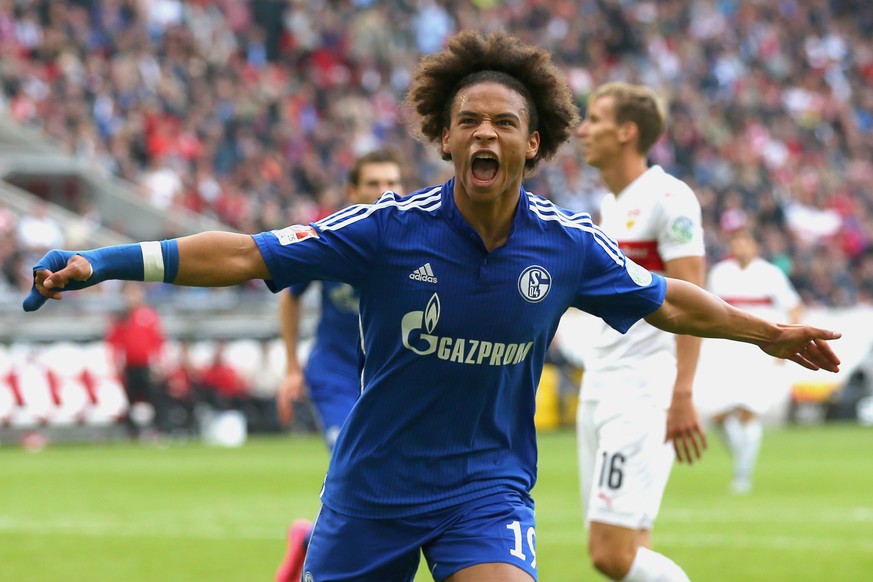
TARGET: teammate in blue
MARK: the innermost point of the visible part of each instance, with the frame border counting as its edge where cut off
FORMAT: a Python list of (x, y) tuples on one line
[(462, 286), (331, 372)]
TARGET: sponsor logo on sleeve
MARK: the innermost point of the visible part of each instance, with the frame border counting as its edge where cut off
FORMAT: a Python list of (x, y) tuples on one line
[(295, 233)]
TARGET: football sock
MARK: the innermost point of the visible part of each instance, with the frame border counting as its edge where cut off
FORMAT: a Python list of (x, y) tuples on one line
[(748, 455), (733, 432), (650, 566)]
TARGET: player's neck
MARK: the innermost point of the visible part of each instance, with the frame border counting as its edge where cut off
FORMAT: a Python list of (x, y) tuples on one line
[(491, 220), (622, 172)]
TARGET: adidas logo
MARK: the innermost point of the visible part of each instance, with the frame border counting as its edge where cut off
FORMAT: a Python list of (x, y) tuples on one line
[(423, 273)]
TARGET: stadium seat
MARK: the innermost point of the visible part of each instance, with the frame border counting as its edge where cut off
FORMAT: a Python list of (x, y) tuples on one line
[(98, 359), (201, 353), (245, 356), (63, 359), (72, 401), (34, 390), (109, 405), (277, 352), (7, 397), (5, 360), (7, 401), (170, 356)]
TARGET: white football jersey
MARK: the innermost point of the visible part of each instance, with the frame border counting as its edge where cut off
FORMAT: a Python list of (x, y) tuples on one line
[(761, 288), (760, 382), (655, 219)]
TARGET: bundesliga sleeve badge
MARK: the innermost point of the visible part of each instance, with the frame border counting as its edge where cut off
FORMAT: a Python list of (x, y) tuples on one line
[(682, 229), (640, 276), (294, 233)]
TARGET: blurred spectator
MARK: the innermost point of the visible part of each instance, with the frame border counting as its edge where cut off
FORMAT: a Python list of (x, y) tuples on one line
[(162, 183), (264, 381), (181, 390), (10, 252), (223, 387), (38, 232), (136, 338)]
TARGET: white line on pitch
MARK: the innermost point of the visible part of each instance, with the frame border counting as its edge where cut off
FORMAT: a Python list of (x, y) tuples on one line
[(75, 527)]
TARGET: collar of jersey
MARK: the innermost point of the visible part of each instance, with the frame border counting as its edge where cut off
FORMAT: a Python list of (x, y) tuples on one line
[(459, 223)]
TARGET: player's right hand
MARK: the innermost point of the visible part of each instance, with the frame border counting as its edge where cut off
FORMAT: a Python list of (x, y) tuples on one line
[(685, 431), (57, 270), (290, 391)]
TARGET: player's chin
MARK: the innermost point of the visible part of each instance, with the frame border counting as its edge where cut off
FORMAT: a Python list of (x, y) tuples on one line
[(472, 191), (484, 184)]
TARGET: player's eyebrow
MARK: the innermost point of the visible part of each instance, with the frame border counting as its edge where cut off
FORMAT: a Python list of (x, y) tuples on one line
[(506, 115)]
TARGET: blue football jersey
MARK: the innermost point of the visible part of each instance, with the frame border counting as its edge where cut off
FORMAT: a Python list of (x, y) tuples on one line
[(333, 360), (454, 338)]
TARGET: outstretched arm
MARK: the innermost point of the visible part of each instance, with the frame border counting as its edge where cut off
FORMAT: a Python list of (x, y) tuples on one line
[(688, 309), (208, 259), (219, 259)]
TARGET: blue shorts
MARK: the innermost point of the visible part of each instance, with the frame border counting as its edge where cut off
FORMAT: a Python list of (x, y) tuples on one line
[(498, 528), (333, 406)]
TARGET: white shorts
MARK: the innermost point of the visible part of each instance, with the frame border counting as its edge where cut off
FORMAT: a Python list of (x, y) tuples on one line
[(624, 462), (738, 375)]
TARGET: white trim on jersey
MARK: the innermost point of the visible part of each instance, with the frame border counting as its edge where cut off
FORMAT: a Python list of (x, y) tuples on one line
[(353, 214), (546, 210), (363, 349)]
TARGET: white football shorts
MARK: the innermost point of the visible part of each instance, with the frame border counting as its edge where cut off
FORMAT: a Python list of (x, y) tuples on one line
[(624, 462)]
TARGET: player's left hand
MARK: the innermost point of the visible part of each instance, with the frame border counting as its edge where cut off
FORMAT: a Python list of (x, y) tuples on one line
[(685, 430), (805, 345)]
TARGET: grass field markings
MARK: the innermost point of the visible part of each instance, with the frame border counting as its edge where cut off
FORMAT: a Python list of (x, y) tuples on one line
[(734, 542), (106, 529), (567, 537), (863, 514), (769, 515), (768, 542)]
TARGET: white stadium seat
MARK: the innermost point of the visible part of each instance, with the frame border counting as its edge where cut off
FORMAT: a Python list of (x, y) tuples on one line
[(111, 403), (64, 359), (35, 391), (73, 400), (7, 401)]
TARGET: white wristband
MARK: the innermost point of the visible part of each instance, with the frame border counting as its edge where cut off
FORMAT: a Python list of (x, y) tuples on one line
[(152, 261)]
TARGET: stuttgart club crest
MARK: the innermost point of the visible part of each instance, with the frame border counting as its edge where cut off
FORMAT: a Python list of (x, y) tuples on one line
[(534, 284)]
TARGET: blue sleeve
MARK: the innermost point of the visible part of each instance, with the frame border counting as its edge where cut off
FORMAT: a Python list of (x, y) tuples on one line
[(299, 289), (616, 289), (340, 247)]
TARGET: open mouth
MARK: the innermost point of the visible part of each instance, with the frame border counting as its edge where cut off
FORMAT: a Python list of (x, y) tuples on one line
[(485, 167)]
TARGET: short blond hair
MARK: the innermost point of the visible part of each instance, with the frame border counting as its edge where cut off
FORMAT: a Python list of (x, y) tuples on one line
[(636, 104)]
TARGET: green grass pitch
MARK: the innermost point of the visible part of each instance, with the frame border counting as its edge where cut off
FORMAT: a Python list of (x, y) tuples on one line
[(192, 513)]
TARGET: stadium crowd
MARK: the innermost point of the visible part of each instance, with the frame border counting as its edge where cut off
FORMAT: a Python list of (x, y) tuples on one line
[(252, 112)]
